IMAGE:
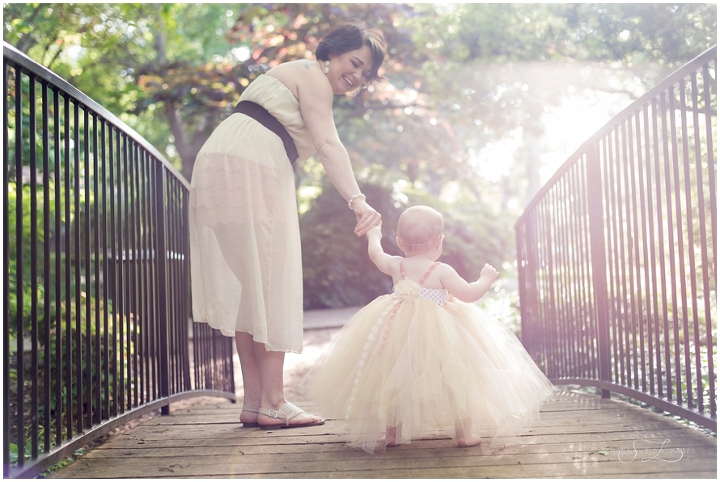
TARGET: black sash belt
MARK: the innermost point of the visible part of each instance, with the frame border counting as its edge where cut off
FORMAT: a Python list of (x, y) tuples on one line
[(260, 114)]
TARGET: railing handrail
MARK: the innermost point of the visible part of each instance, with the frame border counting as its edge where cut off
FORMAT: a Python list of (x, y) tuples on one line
[(16, 56), (674, 77), (616, 253), (115, 232)]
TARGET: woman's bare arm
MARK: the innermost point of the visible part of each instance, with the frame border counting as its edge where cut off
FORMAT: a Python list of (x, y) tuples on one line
[(316, 98)]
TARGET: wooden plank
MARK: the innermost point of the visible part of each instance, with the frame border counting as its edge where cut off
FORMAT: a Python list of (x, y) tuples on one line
[(414, 452), (422, 448), (544, 417), (598, 452), (575, 436), (132, 441), (307, 463), (537, 465), (228, 432)]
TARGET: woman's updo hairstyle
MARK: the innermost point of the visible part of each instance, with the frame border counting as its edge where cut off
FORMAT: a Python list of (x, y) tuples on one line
[(352, 36)]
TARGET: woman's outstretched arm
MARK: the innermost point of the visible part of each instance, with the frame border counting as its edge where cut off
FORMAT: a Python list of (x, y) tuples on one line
[(316, 99)]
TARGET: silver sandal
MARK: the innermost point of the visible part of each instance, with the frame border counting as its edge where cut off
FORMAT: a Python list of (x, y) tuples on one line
[(287, 411)]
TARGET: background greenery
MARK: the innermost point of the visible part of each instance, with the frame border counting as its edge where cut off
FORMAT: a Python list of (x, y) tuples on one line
[(460, 78)]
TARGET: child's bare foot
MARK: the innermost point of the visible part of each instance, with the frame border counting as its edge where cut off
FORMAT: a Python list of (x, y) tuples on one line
[(391, 437), (470, 441), (465, 437)]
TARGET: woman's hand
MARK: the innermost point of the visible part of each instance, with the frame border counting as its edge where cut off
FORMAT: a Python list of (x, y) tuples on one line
[(366, 216)]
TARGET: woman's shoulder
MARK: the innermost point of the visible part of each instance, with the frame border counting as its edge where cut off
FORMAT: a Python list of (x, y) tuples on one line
[(295, 66), (296, 72), (299, 75)]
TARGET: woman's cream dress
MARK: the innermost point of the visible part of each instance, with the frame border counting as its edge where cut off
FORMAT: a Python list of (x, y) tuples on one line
[(244, 235)]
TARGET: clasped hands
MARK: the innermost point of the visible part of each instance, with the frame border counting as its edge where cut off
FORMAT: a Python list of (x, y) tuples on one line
[(367, 217)]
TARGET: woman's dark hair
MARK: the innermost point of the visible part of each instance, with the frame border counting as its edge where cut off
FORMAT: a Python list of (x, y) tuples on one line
[(352, 36)]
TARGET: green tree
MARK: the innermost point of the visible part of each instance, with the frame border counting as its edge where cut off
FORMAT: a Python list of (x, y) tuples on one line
[(137, 60), (496, 68), (459, 76)]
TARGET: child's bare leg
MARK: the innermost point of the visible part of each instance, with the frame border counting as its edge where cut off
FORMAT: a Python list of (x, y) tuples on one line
[(391, 437), (465, 437)]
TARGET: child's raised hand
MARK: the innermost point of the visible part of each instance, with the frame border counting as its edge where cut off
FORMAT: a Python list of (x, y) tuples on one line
[(489, 272)]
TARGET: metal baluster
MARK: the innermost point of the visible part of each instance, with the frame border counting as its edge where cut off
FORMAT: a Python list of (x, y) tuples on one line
[(106, 281), (18, 269), (161, 247), (47, 284), (127, 260), (703, 245), (597, 240), (691, 252), (659, 259), (6, 273), (583, 260), (114, 266), (631, 215), (663, 299), (69, 381), (707, 85), (648, 373), (59, 185), (675, 182), (96, 412), (615, 235), (33, 241), (87, 262)]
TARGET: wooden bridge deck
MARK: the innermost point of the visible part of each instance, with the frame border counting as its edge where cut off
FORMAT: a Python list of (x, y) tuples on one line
[(577, 436)]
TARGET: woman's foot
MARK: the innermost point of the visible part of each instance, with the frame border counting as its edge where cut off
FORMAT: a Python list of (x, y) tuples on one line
[(249, 417), (287, 415)]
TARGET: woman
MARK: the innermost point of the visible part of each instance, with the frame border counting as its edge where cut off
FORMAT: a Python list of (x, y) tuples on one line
[(244, 234)]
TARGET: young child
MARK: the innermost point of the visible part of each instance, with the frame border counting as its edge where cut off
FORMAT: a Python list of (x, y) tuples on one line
[(423, 360)]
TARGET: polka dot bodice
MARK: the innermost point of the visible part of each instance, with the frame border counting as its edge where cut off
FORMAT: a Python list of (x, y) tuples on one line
[(407, 288), (436, 296)]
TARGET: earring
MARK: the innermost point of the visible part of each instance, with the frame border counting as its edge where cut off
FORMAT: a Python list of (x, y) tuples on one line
[(327, 66)]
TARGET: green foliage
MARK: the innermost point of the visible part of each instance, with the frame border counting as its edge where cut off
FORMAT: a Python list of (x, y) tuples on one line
[(459, 76), (336, 269), (351, 279)]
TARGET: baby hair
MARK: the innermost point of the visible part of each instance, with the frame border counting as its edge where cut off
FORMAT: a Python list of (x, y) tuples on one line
[(418, 228)]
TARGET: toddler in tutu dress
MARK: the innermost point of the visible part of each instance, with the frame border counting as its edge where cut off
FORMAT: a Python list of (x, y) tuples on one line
[(423, 361)]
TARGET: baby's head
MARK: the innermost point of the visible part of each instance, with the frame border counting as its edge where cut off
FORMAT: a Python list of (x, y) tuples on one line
[(419, 229)]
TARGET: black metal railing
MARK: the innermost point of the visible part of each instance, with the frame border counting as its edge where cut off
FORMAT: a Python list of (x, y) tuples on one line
[(617, 253), (96, 290)]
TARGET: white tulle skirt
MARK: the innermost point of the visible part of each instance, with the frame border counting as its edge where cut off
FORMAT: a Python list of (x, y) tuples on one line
[(425, 368)]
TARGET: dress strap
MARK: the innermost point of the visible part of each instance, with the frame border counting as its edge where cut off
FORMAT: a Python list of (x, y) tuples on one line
[(402, 270), (427, 273)]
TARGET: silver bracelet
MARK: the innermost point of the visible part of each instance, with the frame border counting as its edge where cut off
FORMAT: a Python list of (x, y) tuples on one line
[(354, 197)]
